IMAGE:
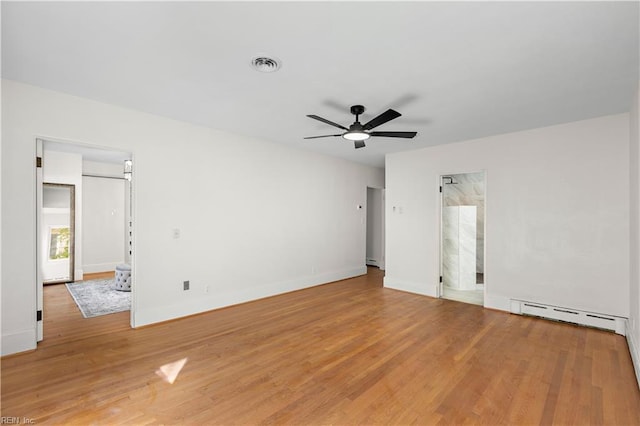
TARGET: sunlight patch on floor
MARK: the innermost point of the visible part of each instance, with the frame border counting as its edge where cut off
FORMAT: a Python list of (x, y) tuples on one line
[(169, 372)]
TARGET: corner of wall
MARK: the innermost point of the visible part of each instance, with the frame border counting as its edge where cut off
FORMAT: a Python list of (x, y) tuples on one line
[(633, 350), (633, 323), (21, 341)]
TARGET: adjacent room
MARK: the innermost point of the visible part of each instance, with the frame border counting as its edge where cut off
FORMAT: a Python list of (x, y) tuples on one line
[(320, 212), (85, 235)]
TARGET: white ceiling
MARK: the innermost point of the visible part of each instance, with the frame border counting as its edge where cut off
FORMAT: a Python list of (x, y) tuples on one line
[(89, 153), (456, 71)]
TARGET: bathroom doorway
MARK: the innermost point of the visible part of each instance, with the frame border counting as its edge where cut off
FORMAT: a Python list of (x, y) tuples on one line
[(462, 231)]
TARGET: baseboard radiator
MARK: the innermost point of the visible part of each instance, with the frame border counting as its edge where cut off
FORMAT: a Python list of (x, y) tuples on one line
[(574, 316)]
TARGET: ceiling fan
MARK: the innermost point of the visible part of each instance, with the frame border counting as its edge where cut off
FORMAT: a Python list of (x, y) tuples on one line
[(358, 132)]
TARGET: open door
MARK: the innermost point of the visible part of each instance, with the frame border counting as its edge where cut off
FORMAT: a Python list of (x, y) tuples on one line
[(55, 235)]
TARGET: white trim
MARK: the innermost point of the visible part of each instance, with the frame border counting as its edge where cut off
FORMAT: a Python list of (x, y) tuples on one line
[(633, 350), (38, 255), (500, 303), (233, 296), (412, 287), (21, 341)]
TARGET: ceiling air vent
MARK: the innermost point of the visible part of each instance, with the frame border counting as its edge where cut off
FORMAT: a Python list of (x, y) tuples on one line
[(265, 64)]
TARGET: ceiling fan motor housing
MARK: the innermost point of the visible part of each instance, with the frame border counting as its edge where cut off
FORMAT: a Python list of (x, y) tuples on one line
[(357, 109)]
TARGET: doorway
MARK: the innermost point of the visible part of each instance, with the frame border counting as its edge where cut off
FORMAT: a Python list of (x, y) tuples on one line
[(57, 233), (84, 223), (462, 229), (375, 227)]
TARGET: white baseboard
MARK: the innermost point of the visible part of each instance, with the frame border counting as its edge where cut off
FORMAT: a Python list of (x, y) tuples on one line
[(497, 302), (633, 350), (411, 286), (202, 302), (21, 341)]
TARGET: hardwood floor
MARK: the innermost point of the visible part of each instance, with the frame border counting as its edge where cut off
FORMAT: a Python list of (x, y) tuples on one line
[(98, 275), (63, 321), (350, 352)]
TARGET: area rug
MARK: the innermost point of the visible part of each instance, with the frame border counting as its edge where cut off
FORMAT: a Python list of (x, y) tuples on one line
[(99, 297)]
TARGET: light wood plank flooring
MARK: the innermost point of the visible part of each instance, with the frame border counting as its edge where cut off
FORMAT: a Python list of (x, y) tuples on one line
[(63, 321), (349, 352)]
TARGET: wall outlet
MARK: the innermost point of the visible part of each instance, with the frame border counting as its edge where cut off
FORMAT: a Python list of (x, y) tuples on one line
[(185, 285), (206, 289)]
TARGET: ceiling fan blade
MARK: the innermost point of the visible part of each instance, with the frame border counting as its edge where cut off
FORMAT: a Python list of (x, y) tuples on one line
[(359, 144), (407, 135), (324, 136), (324, 120), (388, 115)]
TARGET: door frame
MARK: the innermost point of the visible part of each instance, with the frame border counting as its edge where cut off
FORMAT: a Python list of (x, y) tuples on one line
[(441, 177), (39, 283), (380, 263), (131, 230)]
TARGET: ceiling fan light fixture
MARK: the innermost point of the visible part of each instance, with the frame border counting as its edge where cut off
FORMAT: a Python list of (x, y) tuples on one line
[(356, 136)]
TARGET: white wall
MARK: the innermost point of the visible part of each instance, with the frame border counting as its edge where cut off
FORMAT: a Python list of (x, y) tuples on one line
[(64, 167), (255, 218), (633, 334), (103, 226), (557, 215)]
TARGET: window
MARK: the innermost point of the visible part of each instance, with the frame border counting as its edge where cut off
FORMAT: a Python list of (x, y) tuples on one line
[(59, 243)]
